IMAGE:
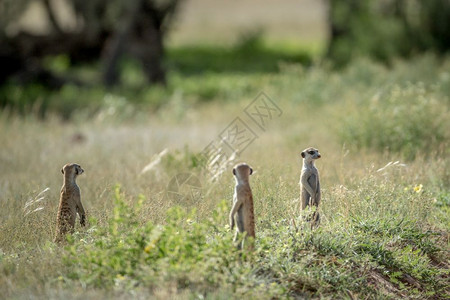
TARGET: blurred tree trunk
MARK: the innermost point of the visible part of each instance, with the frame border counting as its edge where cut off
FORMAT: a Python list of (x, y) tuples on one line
[(141, 36), (135, 28), (337, 29)]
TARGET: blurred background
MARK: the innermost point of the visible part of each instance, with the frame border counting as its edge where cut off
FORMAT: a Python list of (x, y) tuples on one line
[(144, 93), (144, 49)]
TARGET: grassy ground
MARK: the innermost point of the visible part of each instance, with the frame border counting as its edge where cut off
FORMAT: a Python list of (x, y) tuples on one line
[(384, 230)]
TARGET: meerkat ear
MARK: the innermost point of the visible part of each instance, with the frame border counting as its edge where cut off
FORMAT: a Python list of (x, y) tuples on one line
[(76, 171), (303, 154), (62, 171), (234, 171), (251, 171)]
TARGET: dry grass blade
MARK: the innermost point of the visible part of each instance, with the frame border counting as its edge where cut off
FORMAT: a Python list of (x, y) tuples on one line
[(156, 160), (216, 167), (390, 165), (35, 210), (39, 197)]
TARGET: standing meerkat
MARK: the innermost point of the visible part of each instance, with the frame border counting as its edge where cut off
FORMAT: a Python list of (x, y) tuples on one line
[(242, 211), (310, 183), (69, 202)]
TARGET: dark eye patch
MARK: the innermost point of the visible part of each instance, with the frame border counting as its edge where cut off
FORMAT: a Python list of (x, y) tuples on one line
[(311, 152)]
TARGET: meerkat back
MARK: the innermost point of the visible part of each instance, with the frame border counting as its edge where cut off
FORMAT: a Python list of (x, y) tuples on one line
[(69, 202)]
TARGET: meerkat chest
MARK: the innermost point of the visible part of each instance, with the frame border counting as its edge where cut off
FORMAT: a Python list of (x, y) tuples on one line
[(308, 171), (311, 176)]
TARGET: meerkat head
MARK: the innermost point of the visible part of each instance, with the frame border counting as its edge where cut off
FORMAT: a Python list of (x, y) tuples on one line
[(310, 154), (72, 169), (242, 171)]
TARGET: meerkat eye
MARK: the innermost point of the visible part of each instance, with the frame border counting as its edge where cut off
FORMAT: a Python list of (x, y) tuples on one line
[(311, 152)]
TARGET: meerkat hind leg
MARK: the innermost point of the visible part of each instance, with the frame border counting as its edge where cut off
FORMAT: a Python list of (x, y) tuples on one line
[(240, 227)]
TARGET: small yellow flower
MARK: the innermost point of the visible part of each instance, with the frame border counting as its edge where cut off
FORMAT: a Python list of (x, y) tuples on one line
[(120, 277), (418, 188), (149, 248)]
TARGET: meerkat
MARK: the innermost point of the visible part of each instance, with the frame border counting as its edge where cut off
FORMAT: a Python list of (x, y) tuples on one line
[(69, 202), (242, 211), (310, 183)]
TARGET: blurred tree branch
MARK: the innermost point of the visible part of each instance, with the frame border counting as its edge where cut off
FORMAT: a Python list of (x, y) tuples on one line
[(51, 16), (106, 31)]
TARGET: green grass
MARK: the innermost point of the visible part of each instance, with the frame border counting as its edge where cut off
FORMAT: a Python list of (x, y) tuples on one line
[(384, 229)]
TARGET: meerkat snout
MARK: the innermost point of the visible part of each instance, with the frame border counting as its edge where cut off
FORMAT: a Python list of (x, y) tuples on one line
[(80, 171)]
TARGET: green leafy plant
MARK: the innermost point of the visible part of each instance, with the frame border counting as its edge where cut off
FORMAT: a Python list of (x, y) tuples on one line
[(402, 120)]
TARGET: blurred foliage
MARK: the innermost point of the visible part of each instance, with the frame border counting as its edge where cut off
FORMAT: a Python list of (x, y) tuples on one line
[(200, 73), (408, 118), (385, 29)]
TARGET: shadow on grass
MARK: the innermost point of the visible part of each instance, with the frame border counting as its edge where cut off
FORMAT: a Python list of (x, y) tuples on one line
[(245, 58)]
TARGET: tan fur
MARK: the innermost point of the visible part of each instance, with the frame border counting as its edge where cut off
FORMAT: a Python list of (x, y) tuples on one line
[(310, 183), (242, 213), (69, 203)]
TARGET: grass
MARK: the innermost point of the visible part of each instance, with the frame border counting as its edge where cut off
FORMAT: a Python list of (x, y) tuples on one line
[(384, 230)]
